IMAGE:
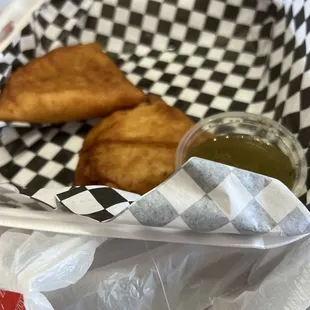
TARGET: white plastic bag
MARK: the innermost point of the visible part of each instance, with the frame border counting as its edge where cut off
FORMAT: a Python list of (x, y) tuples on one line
[(31, 263), (183, 277), (15, 15)]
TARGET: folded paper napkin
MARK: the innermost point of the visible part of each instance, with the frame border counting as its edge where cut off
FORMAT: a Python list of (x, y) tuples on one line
[(203, 196)]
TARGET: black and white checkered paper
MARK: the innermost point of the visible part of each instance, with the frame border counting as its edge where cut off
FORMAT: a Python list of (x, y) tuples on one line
[(100, 203), (10, 197), (203, 197), (202, 57)]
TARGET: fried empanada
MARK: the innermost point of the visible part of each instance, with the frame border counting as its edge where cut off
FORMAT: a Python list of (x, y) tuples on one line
[(133, 150), (67, 84)]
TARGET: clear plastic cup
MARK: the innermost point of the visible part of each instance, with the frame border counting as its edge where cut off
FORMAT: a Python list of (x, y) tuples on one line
[(257, 126)]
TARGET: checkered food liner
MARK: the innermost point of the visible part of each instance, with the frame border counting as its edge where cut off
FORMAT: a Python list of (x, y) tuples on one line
[(202, 57), (202, 197)]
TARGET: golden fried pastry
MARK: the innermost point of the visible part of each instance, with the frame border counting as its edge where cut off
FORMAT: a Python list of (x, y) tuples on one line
[(133, 150), (69, 83)]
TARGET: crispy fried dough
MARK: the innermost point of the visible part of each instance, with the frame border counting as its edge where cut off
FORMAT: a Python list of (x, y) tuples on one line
[(69, 83), (133, 150)]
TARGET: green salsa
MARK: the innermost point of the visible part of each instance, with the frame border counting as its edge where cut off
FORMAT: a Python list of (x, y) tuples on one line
[(247, 153)]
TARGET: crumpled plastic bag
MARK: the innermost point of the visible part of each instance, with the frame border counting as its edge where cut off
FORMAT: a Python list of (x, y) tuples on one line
[(183, 277), (31, 263)]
